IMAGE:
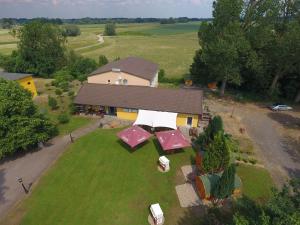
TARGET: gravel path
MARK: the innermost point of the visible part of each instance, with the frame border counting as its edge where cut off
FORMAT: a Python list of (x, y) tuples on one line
[(281, 160), (31, 167)]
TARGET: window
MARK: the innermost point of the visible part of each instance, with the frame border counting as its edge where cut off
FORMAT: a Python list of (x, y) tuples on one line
[(125, 82), (130, 110), (28, 83), (189, 121), (108, 81)]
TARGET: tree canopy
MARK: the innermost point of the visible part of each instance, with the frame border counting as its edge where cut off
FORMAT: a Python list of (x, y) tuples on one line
[(40, 49), (71, 30), (251, 45), (21, 125), (110, 29)]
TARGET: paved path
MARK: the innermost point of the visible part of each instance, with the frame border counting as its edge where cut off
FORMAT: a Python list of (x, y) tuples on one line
[(31, 166), (282, 161)]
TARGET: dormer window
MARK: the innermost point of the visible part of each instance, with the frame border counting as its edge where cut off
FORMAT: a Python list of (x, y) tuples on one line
[(116, 70)]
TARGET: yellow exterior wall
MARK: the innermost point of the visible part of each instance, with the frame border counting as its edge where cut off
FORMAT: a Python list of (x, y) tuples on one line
[(181, 118), (121, 114), (28, 84)]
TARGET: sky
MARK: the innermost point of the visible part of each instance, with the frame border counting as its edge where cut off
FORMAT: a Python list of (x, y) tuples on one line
[(105, 8)]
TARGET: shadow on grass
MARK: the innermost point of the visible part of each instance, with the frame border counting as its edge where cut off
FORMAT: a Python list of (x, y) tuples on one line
[(286, 120), (132, 150), (161, 152)]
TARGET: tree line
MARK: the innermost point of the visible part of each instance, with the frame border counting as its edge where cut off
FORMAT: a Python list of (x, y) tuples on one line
[(252, 46), (7, 23)]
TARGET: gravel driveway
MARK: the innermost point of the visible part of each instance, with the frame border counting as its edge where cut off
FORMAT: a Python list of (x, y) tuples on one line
[(281, 160)]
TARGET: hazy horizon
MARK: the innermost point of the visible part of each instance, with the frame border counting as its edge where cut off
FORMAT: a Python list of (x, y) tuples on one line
[(68, 9)]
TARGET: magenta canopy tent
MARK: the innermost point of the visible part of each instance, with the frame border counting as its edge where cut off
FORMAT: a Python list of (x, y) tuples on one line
[(134, 136), (170, 140)]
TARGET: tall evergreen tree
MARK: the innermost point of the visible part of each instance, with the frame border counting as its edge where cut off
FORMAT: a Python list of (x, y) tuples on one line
[(225, 186)]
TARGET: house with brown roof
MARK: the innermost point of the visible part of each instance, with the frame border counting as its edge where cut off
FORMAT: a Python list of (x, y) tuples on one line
[(128, 71), (125, 102)]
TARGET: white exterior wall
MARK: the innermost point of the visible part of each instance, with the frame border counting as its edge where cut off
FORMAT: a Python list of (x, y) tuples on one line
[(154, 82)]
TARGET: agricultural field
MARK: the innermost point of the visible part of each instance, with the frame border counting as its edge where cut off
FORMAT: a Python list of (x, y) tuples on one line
[(171, 46)]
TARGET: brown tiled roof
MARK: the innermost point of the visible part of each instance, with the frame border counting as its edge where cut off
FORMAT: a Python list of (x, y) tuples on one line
[(138, 97), (132, 65)]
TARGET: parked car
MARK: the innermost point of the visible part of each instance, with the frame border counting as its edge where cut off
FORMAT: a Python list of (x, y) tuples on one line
[(280, 107)]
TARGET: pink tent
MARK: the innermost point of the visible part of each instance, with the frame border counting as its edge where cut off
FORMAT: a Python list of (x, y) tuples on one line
[(170, 140), (134, 136)]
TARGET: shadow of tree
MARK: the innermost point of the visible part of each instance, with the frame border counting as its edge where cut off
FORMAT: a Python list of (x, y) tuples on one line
[(286, 120)]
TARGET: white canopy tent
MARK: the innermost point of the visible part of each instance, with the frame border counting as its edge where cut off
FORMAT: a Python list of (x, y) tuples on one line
[(156, 119)]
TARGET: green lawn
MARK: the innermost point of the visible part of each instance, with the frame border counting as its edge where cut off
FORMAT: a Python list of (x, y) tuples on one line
[(257, 182), (75, 123), (99, 181)]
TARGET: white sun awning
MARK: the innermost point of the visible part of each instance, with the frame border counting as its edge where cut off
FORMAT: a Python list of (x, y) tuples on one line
[(156, 119)]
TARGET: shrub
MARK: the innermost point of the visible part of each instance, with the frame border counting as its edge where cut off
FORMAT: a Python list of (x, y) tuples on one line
[(64, 86), (71, 93), (245, 160), (102, 60), (52, 103), (110, 29), (253, 161), (238, 158), (58, 92), (71, 30), (72, 108), (63, 118), (161, 75)]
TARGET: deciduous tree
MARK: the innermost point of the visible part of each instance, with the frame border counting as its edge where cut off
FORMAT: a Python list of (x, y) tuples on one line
[(21, 125)]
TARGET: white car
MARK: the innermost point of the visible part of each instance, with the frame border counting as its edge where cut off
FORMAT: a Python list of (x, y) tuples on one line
[(280, 107)]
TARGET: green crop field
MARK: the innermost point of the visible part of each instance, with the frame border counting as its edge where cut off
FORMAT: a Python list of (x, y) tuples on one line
[(171, 46)]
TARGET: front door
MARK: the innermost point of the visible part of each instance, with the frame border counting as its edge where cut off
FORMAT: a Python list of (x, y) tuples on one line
[(112, 111), (189, 121)]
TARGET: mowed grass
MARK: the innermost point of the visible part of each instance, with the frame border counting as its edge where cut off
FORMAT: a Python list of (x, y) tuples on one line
[(98, 180), (171, 46), (257, 182)]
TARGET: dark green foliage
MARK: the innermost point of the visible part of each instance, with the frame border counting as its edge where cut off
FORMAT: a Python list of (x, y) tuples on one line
[(168, 21), (199, 70), (82, 78), (110, 29), (40, 49), (82, 66), (21, 126), (117, 58), (72, 108), (7, 23), (71, 30), (161, 75), (214, 127), (252, 46), (71, 93), (217, 155), (52, 102), (63, 118), (102, 60), (281, 209), (58, 92), (225, 185)]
